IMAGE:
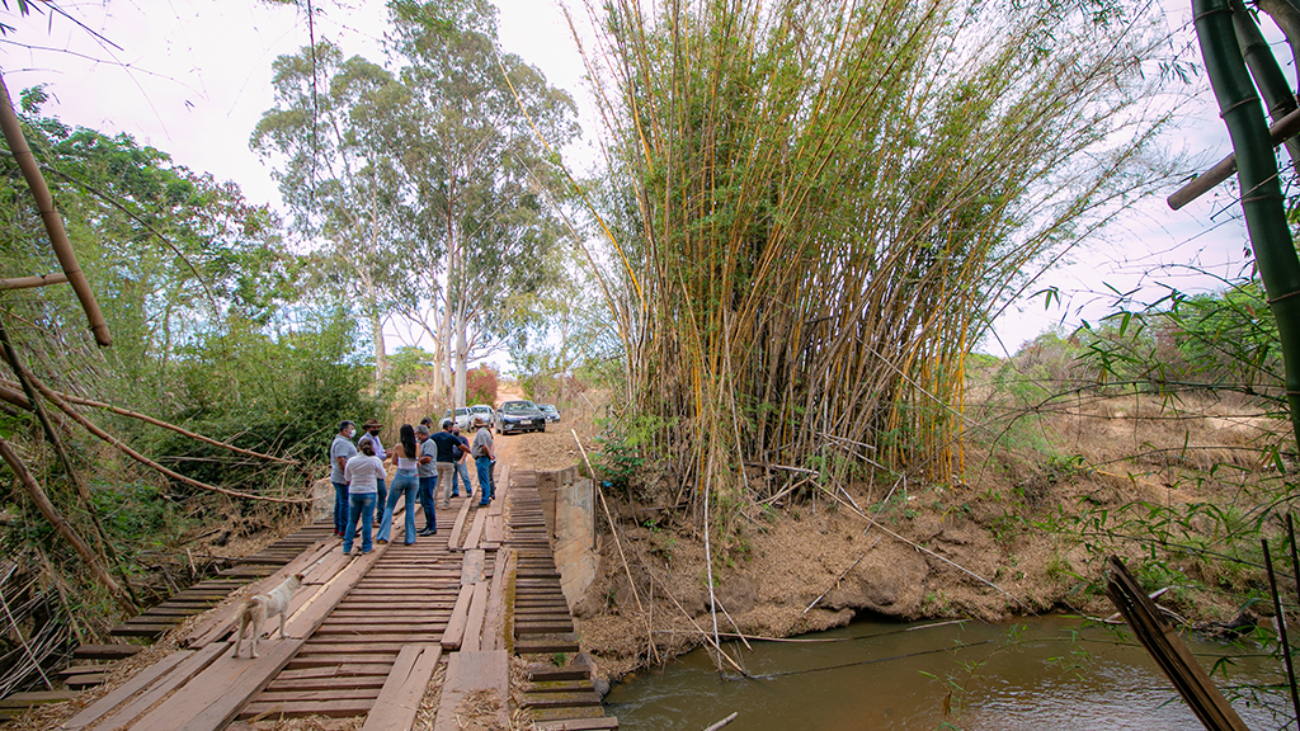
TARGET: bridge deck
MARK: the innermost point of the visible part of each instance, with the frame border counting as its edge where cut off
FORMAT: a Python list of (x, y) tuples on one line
[(367, 637)]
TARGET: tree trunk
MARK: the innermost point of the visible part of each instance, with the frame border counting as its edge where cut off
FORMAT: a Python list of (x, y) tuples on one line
[(462, 362), (381, 360)]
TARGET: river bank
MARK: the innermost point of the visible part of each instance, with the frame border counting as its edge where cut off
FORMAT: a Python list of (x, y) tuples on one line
[(1025, 535)]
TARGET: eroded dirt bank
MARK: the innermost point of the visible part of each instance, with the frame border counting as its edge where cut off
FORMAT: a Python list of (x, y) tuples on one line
[(982, 552)]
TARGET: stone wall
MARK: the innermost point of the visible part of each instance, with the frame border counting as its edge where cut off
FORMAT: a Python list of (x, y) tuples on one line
[(568, 503)]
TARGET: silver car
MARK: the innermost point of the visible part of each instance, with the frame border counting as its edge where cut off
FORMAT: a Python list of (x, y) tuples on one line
[(463, 418), (482, 411)]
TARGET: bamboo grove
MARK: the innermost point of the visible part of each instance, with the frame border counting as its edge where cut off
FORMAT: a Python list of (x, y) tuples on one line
[(814, 210)]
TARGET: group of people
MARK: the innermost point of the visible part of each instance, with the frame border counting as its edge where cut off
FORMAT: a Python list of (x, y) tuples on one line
[(424, 459)]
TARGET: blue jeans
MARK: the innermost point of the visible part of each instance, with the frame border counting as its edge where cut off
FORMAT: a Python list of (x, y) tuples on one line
[(340, 507), (484, 467), (428, 487), (461, 475), (360, 507), (381, 490), (403, 484)]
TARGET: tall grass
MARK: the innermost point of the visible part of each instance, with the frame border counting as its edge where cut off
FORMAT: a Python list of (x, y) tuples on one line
[(817, 209)]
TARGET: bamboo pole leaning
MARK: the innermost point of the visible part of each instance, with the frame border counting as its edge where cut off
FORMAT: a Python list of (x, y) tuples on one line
[(128, 451), (61, 525), (164, 425), (13, 133)]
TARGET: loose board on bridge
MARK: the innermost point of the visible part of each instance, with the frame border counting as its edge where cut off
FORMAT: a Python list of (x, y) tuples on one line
[(475, 692), (399, 699)]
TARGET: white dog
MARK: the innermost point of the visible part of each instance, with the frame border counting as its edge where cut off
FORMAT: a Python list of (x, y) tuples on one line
[(258, 608)]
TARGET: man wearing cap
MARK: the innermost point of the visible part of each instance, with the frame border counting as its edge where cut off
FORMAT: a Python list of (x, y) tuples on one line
[(372, 428), (424, 469), (445, 444), (341, 449), (484, 456)]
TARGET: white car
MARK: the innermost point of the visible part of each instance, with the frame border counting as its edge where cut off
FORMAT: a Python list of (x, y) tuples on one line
[(482, 411), (463, 418)]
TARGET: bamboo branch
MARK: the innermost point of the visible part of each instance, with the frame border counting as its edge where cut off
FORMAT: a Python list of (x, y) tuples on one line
[(39, 280), (613, 529), (122, 447), (13, 133), (165, 425), (61, 525), (723, 722)]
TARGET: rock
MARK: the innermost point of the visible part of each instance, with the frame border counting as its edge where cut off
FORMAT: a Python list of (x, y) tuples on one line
[(601, 686)]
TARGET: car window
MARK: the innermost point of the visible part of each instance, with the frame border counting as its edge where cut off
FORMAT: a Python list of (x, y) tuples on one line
[(516, 407)]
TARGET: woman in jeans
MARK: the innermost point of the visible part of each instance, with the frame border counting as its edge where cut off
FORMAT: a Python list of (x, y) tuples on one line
[(362, 474), (405, 483)]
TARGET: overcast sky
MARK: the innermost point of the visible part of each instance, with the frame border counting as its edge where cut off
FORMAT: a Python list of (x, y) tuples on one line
[(192, 78)]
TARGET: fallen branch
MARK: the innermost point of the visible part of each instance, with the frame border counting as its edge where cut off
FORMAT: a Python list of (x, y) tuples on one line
[(122, 447), (928, 552), (723, 722), (705, 635), (61, 524), (159, 423), (832, 588)]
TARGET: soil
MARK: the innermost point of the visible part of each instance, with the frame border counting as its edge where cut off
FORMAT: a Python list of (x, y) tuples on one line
[(897, 549)]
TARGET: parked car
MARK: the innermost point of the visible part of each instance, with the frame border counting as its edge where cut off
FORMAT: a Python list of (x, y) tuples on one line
[(517, 416), (463, 418), (552, 413), (484, 412)]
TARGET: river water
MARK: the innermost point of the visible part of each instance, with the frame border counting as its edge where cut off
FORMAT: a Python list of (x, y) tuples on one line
[(1043, 673)]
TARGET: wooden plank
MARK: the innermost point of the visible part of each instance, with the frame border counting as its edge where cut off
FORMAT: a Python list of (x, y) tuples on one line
[(126, 702), (476, 530), (222, 622), (335, 709), (106, 652), (85, 680), (1167, 649), (451, 637), (37, 698), (399, 701), (216, 696), (471, 566), (495, 622), (578, 724), (474, 672), (473, 639), (452, 544)]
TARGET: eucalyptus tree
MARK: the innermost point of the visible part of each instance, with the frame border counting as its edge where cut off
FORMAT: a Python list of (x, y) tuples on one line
[(479, 174), (334, 134)]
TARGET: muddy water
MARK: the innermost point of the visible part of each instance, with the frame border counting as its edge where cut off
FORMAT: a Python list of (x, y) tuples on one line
[(1049, 673)]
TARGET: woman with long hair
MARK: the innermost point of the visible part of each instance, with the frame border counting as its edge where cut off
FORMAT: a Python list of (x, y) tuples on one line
[(404, 483)]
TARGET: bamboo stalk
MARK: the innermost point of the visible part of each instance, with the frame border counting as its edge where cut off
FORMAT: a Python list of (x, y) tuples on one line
[(60, 524), (165, 425), (13, 134), (40, 280), (613, 529), (128, 451)]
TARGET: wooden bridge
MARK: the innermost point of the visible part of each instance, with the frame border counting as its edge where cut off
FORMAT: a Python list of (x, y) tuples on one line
[(425, 635)]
